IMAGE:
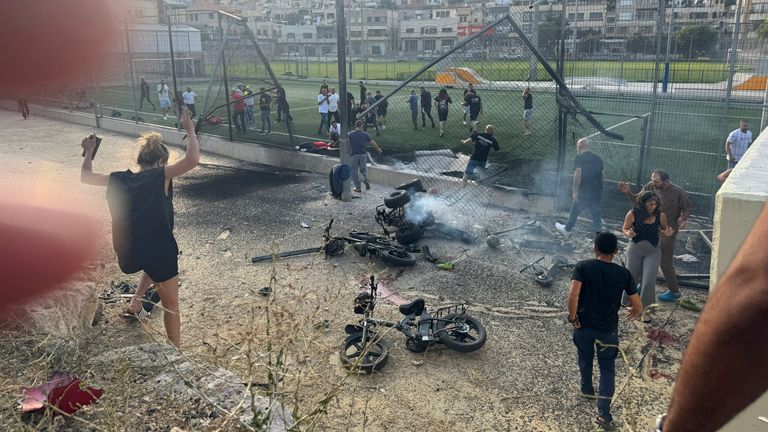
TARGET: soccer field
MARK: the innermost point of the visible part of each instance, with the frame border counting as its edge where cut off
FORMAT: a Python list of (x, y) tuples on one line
[(687, 138)]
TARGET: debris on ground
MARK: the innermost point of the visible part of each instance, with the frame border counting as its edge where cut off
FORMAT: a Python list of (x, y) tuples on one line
[(446, 265), (224, 234), (304, 225), (64, 393), (428, 254), (688, 258), (689, 305)]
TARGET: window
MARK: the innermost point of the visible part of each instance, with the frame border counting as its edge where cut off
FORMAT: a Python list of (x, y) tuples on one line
[(625, 16), (307, 35), (429, 30), (446, 43), (463, 18), (376, 50), (355, 33), (291, 35), (369, 19), (377, 32), (646, 15), (610, 20), (411, 45), (595, 16), (376, 19), (625, 2), (446, 30), (409, 30), (443, 14), (429, 45), (526, 16), (210, 16)]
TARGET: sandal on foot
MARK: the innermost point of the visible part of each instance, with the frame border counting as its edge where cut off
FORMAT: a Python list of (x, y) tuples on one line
[(606, 424)]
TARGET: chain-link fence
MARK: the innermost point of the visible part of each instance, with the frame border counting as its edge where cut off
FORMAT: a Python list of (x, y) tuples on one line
[(678, 122)]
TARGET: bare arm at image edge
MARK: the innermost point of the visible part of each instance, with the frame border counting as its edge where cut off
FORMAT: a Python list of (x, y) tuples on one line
[(729, 349)]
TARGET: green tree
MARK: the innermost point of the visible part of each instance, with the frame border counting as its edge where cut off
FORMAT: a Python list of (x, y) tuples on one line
[(639, 44), (589, 41), (696, 40), (549, 35)]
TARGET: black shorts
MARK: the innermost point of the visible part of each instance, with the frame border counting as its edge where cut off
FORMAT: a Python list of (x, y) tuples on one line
[(158, 269), (474, 115), (442, 115), (382, 111)]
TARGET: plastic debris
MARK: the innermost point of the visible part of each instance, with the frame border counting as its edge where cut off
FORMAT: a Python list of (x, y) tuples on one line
[(64, 393), (304, 225), (689, 305), (224, 235), (687, 258), (446, 266)]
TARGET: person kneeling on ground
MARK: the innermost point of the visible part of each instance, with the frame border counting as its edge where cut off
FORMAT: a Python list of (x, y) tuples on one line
[(141, 206)]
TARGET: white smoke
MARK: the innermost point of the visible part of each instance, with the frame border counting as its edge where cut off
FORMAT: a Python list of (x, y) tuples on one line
[(424, 206)]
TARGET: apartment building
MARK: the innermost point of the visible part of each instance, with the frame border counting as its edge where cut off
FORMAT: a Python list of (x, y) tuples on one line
[(754, 13), (372, 32)]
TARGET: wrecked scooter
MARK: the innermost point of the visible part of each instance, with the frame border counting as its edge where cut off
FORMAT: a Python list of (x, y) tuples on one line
[(364, 350)]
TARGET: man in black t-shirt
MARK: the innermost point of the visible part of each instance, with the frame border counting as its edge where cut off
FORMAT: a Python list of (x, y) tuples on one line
[(470, 88), (265, 100), (475, 107), (483, 142), (426, 108), (381, 109), (587, 188), (594, 300), (363, 93), (527, 111), (144, 87)]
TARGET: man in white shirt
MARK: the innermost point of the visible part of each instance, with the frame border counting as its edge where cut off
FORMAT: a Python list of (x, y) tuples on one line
[(737, 143), (323, 100), (164, 96), (190, 97), (333, 106), (333, 133)]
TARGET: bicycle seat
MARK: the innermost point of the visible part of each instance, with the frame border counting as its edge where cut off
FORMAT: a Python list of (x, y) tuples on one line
[(415, 307)]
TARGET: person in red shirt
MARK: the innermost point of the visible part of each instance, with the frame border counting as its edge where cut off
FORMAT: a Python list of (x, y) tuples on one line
[(238, 111)]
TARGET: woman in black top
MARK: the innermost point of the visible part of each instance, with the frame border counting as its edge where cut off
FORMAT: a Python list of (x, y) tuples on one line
[(643, 225), (141, 206)]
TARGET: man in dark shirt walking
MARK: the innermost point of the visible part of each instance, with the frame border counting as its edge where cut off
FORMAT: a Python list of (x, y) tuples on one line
[(363, 93), (594, 300), (426, 108), (144, 87), (475, 106), (587, 188), (264, 106), (358, 141), (483, 142)]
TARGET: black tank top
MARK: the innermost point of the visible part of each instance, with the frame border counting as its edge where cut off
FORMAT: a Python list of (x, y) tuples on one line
[(142, 215), (646, 231)]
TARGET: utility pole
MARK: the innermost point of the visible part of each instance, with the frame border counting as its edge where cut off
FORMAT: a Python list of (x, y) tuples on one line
[(534, 37)]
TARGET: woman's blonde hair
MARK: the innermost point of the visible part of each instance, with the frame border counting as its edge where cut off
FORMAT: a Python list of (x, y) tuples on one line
[(152, 150)]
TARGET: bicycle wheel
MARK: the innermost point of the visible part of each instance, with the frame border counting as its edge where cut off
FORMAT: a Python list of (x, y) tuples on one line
[(369, 237), (461, 332), (359, 356), (408, 235)]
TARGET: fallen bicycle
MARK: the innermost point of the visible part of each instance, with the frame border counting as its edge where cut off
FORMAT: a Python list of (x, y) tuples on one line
[(364, 243)]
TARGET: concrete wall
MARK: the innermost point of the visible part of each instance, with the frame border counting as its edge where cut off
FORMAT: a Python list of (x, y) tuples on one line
[(737, 205), (284, 158)]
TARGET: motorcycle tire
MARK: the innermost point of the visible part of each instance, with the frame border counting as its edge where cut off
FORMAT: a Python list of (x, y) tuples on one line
[(410, 235), (369, 237), (359, 356), (544, 280), (397, 199), (395, 257), (461, 332), (415, 345)]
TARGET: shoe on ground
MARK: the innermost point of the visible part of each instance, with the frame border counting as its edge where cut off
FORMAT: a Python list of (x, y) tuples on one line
[(560, 227), (669, 296), (367, 185), (165, 117), (442, 133), (608, 425), (356, 190), (587, 394), (384, 126), (465, 122)]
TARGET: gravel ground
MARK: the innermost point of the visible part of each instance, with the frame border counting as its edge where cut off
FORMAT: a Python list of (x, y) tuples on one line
[(524, 379)]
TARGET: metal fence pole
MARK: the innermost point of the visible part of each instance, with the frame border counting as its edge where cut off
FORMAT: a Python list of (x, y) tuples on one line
[(173, 72), (133, 74), (224, 76), (648, 135), (344, 150), (732, 58)]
